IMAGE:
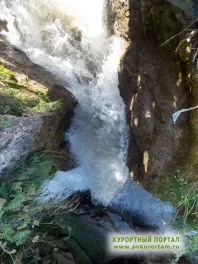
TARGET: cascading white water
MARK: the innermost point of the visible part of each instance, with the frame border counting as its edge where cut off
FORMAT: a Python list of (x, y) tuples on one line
[(68, 38)]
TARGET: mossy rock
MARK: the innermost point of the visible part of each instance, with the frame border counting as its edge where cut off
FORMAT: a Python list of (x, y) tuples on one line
[(20, 98)]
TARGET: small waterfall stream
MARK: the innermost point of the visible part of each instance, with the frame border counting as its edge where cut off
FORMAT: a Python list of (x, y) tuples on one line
[(69, 38)]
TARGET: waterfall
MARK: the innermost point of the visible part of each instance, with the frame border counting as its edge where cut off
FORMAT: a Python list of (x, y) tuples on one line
[(68, 38)]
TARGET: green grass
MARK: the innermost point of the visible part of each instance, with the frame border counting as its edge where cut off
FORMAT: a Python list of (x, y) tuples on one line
[(19, 214), (193, 246), (20, 98), (5, 73), (183, 194), (37, 168)]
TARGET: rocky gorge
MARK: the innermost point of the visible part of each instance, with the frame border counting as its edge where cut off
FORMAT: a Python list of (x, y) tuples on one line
[(156, 78)]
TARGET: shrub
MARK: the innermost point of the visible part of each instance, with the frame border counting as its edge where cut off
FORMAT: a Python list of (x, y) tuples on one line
[(20, 213)]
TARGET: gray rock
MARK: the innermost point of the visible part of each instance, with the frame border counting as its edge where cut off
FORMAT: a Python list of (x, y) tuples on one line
[(189, 6), (17, 139), (21, 135)]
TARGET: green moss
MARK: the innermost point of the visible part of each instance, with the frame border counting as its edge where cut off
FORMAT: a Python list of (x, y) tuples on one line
[(5, 73), (20, 98)]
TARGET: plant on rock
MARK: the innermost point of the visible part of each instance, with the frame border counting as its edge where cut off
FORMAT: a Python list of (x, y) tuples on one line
[(20, 214)]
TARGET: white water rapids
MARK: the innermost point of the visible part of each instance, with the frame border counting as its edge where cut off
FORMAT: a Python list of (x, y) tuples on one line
[(68, 38)]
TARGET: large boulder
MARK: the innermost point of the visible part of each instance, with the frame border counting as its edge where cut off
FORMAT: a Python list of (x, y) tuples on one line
[(22, 133)]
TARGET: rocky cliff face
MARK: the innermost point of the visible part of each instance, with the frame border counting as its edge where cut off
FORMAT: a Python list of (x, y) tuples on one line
[(34, 110), (152, 86)]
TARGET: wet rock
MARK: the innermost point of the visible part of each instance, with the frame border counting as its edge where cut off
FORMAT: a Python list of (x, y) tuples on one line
[(131, 201), (3, 25), (135, 205), (88, 227), (60, 257)]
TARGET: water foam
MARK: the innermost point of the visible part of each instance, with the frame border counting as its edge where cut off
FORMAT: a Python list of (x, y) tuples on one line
[(68, 38)]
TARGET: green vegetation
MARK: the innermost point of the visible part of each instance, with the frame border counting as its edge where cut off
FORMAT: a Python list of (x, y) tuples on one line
[(20, 98), (4, 122), (19, 212), (193, 246), (24, 220), (183, 194)]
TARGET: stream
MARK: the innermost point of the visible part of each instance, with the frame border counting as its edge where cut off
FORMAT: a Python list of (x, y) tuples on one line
[(69, 38)]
